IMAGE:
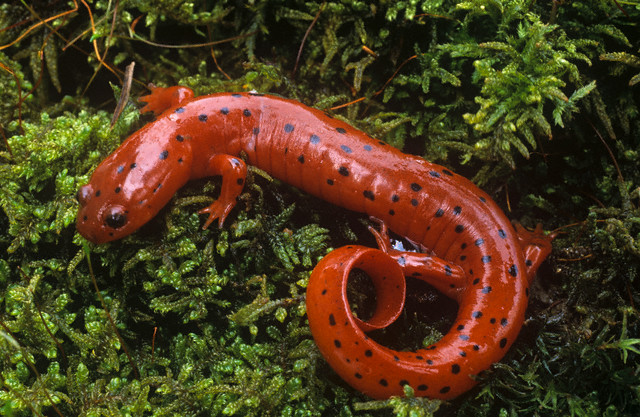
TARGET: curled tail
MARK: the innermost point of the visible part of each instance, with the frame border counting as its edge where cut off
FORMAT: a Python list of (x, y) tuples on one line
[(490, 316), (367, 366)]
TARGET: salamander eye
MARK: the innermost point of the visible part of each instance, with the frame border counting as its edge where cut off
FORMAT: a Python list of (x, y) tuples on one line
[(115, 217), (84, 194)]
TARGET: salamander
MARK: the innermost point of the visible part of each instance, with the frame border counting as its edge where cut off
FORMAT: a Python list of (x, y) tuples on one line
[(473, 255)]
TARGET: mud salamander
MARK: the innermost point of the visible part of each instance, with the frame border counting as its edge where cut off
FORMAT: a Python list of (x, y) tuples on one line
[(475, 256)]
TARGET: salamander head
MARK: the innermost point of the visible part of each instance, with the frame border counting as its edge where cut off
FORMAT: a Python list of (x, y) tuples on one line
[(129, 187), (99, 222)]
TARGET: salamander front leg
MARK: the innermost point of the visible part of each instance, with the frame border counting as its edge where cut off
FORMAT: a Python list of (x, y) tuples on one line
[(446, 277), (234, 172), (162, 98)]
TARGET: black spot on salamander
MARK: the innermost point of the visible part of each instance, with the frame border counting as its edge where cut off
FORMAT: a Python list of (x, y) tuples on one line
[(447, 270), (368, 353), (256, 130), (503, 342), (202, 117), (118, 189), (179, 138), (357, 375), (301, 159), (439, 213), (464, 337), (429, 362), (84, 218), (434, 174), (459, 228), (180, 110), (341, 130), (403, 382), (369, 195), (502, 233), (383, 382), (416, 187), (460, 327), (484, 200), (120, 169), (463, 257), (476, 347), (486, 259), (513, 270), (382, 143), (288, 128), (422, 387), (455, 368), (346, 149), (324, 291), (337, 343), (224, 110), (395, 198), (157, 187), (286, 150), (343, 171), (463, 246), (330, 181), (367, 148), (493, 320), (447, 172), (180, 160), (463, 353), (476, 314), (240, 181), (315, 139), (133, 165), (236, 95), (332, 320), (392, 212), (504, 322), (457, 210), (414, 202), (164, 155), (528, 262), (444, 390), (487, 289), (98, 193), (479, 242), (246, 112)]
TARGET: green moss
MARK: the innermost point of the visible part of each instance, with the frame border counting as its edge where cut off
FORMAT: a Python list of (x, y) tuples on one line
[(536, 101)]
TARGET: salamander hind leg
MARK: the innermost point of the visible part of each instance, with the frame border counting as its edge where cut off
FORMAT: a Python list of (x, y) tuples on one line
[(446, 277), (536, 246), (162, 98), (234, 172)]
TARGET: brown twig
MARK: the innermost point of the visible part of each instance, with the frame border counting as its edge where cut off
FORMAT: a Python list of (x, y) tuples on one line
[(304, 39)]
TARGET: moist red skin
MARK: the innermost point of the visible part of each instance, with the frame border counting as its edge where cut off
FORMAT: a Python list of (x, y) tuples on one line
[(475, 256)]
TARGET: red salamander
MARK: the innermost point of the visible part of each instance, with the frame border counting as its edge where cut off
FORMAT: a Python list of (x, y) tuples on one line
[(476, 257)]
